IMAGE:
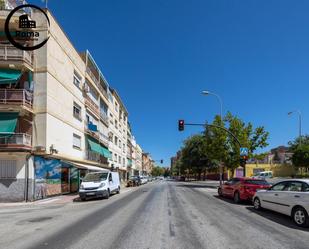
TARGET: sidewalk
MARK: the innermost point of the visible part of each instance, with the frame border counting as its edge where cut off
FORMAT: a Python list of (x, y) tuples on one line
[(59, 199)]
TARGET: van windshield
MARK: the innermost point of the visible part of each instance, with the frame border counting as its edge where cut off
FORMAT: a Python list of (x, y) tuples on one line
[(95, 177)]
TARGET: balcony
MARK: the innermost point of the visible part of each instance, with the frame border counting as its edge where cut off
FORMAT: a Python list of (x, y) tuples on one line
[(17, 141), (94, 156), (92, 106), (11, 55), (92, 76), (92, 130), (16, 97), (104, 118), (104, 139)]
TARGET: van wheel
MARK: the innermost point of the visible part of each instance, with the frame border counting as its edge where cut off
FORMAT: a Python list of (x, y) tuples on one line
[(300, 217), (118, 191), (107, 194), (236, 197), (83, 198)]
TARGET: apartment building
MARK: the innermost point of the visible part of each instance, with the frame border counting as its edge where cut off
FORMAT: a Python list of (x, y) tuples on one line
[(59, 118), (138, 160), (118, 117), (147, 163)]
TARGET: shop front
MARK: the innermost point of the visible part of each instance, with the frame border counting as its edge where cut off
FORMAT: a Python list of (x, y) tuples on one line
[(54, 177)]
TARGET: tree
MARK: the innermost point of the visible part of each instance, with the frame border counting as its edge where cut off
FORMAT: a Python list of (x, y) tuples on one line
[(300, 157), (157, 171), (248, 137), (193, 155)]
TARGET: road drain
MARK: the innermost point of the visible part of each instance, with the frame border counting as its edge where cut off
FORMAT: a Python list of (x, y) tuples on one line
[(39, 219)]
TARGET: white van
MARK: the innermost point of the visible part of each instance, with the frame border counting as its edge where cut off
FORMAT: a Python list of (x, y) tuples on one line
[(99, 184)]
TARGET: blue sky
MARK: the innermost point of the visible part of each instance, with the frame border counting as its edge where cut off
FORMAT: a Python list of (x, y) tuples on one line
[(160, 54)]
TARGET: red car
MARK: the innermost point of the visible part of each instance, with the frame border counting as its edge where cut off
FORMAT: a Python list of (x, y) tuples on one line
[(242, 188)]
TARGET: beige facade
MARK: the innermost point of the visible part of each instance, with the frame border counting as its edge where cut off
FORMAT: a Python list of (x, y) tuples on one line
[(70, 118)]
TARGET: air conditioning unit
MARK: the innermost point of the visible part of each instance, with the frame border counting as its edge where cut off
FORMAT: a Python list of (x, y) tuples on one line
[(40, 148), (86, 88)]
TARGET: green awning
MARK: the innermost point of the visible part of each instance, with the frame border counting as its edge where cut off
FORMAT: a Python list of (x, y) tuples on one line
[(106, 153), (8, 122), (94, 146), (9, 76)]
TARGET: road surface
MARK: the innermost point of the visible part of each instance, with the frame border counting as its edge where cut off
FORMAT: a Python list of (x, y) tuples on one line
[(162, 214)]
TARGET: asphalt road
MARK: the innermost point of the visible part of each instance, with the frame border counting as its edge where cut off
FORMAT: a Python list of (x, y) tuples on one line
[(163, 214)]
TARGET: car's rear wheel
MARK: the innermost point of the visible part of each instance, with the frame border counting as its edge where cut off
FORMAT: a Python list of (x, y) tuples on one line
[(300, 217), (257, 203), (83, 198), (118, 191), (220, 192), (236, 197)]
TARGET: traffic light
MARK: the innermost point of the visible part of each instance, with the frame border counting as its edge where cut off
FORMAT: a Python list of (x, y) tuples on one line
[(243, 160), (181, 125), (161, 161)]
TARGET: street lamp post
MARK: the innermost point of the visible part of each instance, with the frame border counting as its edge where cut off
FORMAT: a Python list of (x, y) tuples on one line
[(219, 99), (205, 92), (299, 120)]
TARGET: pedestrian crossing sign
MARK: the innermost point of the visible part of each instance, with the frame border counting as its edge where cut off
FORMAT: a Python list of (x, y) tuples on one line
[(243, 151)]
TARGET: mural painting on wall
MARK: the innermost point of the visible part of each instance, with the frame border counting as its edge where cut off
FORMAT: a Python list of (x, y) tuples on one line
[(47, 177)]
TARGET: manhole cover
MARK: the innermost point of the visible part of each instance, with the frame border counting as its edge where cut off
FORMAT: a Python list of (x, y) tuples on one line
[(39, 219)]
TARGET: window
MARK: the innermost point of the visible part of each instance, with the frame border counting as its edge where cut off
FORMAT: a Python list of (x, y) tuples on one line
[(116, 140), (110, 178), (124, 148), (116, 124), (305, 187), (123, 161), (110, 136), (77, 111), (8, 169), (76, 141), (279, 186), (294, 186), (115, 157), (119, 159), (116, 107), (77, 79)]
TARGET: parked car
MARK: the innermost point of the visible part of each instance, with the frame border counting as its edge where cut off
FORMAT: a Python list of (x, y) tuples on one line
[(242, 188), (144, 179), (264, 175), (134, 181), (289, 197), (99, 184)]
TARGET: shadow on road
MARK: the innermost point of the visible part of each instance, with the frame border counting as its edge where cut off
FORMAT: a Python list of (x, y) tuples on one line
[(278, 218), (231, 201), (196, 186)]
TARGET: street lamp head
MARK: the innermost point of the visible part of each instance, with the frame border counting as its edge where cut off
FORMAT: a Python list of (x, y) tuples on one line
[(205, 92), (289, 113)]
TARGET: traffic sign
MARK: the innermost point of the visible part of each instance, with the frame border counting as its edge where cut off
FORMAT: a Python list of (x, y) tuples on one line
[(243, 151)]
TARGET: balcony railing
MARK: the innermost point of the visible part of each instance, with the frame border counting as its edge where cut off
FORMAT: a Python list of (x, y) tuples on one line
[(15, 141), (10, 53), (92, 105), (104, 118), (16, 97), (90, 73), (97, 83), (94, 156), (104, 139), (90, 131)]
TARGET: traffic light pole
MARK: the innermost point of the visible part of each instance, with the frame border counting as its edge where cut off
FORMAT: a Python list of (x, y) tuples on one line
[(220, 127)]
